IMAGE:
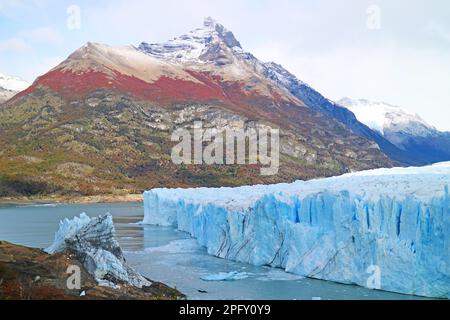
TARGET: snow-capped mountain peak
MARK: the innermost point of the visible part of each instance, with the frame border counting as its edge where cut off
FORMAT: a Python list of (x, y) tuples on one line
[(384, 117), (198, 45), (9, 86), (12, 83), (219, 30), (214, 50), (405, 130)]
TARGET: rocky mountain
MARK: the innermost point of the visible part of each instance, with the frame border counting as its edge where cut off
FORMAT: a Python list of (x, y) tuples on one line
[(409, 132), (9, 86), (101, 121), (213, 46), (316, 101)]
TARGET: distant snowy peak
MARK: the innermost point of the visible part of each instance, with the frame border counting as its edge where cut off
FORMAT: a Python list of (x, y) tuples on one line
[(406, 131), (12, 83), (9, 86), (384, 117), (200, 44)]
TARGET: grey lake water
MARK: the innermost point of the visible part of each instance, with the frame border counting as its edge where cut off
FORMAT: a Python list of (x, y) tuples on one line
[(170, 256)]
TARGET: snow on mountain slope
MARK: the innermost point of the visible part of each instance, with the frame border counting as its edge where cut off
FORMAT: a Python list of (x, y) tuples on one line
[(5, 94), (9, 86), (96, 57), (381, 116), (208, 66), (214, 50), (129, 100), (396, 221), (12, 83), (406, 131), (194, 46), (280, 75), (317, 102), (127, 70)]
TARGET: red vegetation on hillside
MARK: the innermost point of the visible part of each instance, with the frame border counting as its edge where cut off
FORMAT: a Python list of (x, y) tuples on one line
[(76, 85), (164, 91)]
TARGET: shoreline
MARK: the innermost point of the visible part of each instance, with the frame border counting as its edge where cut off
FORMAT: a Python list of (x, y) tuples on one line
[(44, 277), (104, 198)]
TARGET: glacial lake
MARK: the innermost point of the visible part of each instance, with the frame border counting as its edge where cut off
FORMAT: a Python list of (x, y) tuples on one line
[(167, 255)]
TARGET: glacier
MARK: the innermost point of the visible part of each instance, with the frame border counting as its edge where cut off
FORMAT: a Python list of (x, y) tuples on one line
[(393, 224)]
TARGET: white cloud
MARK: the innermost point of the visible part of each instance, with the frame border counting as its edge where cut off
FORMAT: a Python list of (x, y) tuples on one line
[(42, 35), (439, 30), (4, 4), (14, 45), (415, 80)]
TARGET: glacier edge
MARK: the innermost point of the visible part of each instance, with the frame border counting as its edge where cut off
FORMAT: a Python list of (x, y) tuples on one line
[(337, 229)]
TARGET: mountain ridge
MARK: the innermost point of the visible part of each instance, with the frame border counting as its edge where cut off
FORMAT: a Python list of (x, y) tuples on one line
[(100, 121), (407, 131), (193, 46)]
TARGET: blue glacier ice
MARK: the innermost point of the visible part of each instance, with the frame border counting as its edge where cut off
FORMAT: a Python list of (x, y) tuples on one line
[(387, 225), (226, 276)]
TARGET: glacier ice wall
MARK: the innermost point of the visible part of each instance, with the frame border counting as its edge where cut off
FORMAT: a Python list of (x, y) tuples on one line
[(396, 221)]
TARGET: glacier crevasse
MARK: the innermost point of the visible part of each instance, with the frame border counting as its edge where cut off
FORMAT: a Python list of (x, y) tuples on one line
[(339, 229)]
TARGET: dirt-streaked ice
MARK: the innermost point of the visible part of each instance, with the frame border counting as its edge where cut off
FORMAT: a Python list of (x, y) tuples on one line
[(93, 241)]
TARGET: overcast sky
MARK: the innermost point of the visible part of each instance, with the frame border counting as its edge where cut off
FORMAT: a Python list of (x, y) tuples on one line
[(384, 50)]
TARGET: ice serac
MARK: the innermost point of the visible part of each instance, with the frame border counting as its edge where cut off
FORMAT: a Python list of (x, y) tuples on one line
[(343, 229), (93, 241)]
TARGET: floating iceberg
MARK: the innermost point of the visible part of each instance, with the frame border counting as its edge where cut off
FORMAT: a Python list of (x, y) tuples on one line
[(226, 276), (387, 228), (93, 241)]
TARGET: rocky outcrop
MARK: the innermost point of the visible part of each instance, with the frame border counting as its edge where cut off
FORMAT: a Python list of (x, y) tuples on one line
[(28, 273)]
